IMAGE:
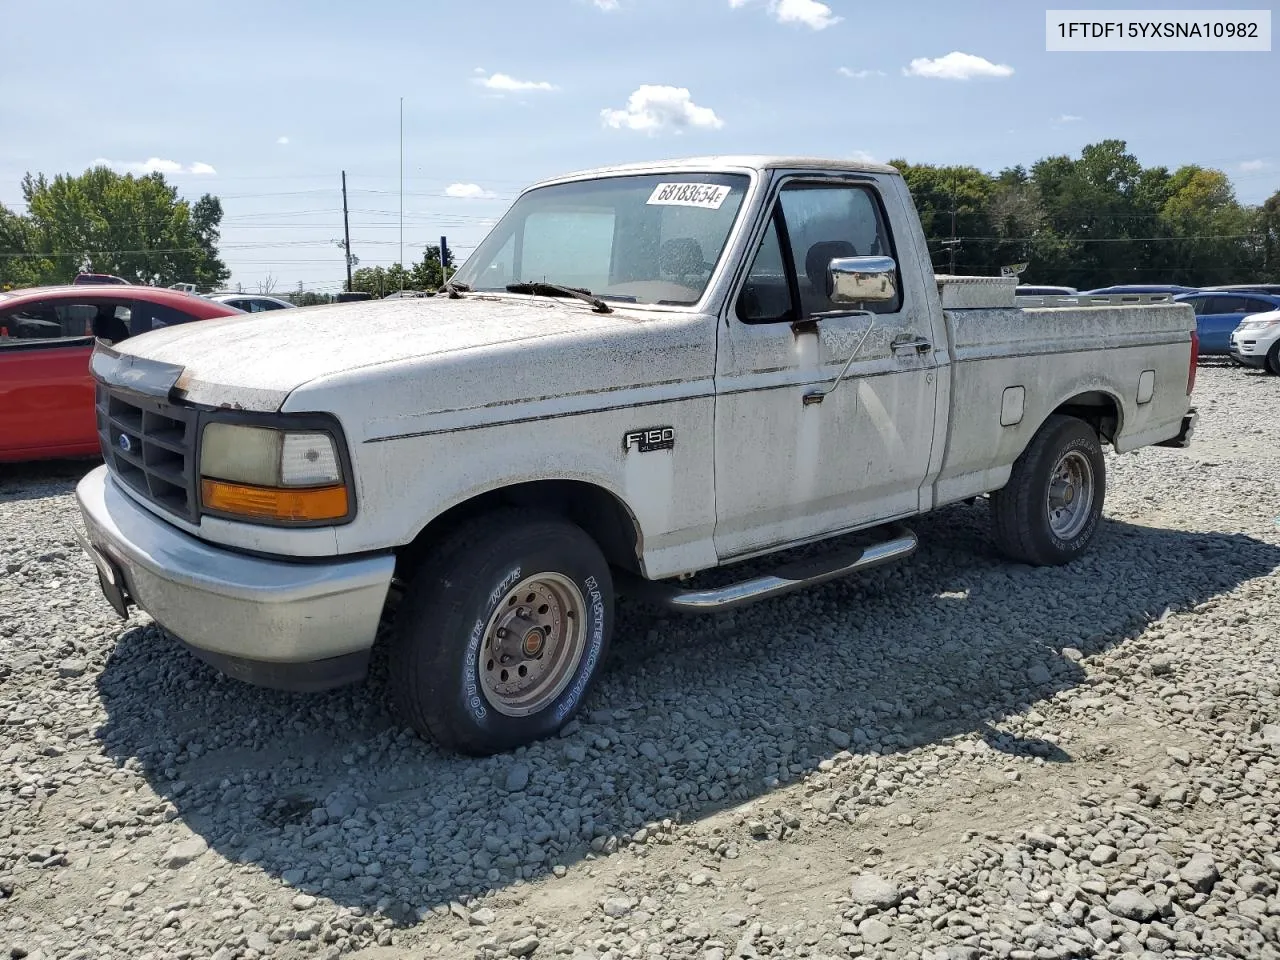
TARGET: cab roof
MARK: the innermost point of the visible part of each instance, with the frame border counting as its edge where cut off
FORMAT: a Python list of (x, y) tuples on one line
[(727, 163)]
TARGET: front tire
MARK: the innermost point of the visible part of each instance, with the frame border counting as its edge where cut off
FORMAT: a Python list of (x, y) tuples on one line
[(502, 633), (1273, 359), (1048, 512)]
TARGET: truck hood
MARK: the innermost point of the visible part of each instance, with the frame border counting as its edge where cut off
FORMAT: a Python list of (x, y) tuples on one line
[(254, 361)]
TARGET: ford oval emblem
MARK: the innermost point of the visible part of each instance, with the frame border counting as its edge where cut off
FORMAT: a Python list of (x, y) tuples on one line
[(125, 443)]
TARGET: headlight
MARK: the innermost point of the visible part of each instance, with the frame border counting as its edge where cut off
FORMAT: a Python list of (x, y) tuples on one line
[(263, 473)]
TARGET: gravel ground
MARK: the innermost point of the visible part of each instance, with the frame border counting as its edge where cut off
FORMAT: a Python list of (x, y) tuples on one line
[(951, 758)]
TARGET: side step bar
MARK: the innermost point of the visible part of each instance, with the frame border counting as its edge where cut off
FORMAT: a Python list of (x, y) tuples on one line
[(791, 576)]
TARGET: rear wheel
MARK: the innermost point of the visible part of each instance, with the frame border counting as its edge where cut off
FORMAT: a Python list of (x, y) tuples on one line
[(1048, 512), (502, 633)]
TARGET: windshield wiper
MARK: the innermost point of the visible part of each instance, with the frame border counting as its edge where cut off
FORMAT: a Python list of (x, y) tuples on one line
[(552, 289), (455, 289)]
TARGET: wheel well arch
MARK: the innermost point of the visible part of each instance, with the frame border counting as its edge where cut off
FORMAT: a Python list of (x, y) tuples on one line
[(1098, 408), (600, 512)]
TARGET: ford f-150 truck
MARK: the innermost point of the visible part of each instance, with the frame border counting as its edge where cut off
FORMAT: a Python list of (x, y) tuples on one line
[(642, 372)]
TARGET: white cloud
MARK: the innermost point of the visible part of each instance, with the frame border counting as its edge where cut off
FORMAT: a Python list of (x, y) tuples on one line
[(956, 66), (653, 108), (468, 191), (606, 4), (283, 141), (1252, 166), (858, 74), (862, 157), (1068, 118), (155, 165), (501, 81), (811, 13)]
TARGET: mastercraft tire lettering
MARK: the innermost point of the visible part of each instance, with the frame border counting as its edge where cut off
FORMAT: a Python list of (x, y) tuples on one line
[(502, 633)]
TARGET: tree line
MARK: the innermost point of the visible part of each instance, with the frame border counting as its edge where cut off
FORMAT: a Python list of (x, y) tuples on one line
[(1098, 219), (1087, 221), (136, 228)]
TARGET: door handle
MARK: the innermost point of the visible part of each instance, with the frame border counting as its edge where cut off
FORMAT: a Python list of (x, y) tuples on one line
[(914, 344)]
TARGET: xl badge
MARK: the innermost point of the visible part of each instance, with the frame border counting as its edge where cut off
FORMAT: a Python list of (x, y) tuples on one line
[(125, 443), (654, 438)]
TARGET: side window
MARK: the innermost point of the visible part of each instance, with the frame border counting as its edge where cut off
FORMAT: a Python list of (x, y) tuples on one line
[(825, 222), (1228, 304), (155, 316), (766, 295), (37, 321), (1200, 305), (1258, 306)]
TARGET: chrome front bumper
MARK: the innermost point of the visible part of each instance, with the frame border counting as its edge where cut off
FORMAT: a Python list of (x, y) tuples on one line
[(272, 622)]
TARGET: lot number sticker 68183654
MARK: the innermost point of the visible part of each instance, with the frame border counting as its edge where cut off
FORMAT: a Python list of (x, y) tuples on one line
[(708, 195)]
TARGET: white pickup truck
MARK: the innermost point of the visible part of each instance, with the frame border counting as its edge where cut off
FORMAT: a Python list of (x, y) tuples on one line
[(764, 359)]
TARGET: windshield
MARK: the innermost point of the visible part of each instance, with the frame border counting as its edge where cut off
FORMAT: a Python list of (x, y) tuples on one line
[(644, 239)]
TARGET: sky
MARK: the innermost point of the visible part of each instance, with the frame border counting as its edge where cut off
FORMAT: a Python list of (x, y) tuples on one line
[(265, 104)]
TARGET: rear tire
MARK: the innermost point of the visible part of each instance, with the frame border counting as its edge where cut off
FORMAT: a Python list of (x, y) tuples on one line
[(1272, 365), (1048, 512), (502, 632)]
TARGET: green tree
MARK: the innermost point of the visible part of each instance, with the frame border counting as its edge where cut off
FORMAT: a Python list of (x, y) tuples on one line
[(137, 228), (424, 275)]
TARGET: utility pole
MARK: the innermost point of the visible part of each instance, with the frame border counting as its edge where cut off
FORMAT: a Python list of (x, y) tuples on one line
[(402, 194), (346, 230), (444, 260)]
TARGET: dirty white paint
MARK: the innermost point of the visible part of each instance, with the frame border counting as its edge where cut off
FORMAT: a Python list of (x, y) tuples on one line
[(442, 400)]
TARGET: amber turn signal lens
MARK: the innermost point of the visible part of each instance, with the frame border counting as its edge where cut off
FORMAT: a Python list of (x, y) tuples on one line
[(274, 503)]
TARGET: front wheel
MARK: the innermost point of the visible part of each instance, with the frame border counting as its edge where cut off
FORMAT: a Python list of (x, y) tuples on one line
[(1048, 512), (1273, 359), (502, 633)]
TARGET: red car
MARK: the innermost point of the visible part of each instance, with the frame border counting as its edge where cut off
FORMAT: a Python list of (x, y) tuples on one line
[(46, 336)]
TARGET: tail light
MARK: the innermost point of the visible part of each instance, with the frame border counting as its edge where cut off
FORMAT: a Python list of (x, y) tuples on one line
[(1195, 356)]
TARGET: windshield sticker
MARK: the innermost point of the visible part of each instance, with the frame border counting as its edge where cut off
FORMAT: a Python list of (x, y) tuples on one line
[(707, 195)]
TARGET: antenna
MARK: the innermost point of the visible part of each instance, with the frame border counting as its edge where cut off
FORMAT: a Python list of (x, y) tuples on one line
[(402, 193)]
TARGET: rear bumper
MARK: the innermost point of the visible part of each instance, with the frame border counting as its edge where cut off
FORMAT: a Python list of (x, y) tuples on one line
[(1183, 439), (272, 622)]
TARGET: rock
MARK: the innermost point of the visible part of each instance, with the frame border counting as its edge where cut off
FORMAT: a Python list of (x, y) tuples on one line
[(616, 907), (1102, 854), (483, 917), (1161, 664), (1179, 756), (523, 947), (340, 806), (517, 780), (838, 737), (1200, 872), (873, 890), (874, 931), (304, 901), (1132, 905), (1270, 734), (1072, 654), (183, 852), (72, 668), (1039, 675)]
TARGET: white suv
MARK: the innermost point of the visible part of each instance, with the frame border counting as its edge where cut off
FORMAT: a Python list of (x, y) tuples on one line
[(1256, 342)]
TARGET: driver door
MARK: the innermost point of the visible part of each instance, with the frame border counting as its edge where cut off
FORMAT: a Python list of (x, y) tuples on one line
[(800, 452)]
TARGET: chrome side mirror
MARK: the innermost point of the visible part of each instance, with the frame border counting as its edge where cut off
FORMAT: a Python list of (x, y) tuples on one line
[(862, 280)]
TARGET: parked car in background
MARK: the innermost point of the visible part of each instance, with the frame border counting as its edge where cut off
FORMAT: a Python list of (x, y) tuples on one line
[(351, 296), (1120, 288), (251, 302), (406, 295), (1031, 290), (1256, 342), (1218, 314), (46, 336), (1271, 288), (98, 278)]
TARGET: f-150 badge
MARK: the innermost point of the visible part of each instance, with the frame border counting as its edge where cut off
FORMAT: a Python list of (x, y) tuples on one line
[(653, 438)]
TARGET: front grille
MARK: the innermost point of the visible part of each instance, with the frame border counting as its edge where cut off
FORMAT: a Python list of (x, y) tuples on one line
[(150, 447)]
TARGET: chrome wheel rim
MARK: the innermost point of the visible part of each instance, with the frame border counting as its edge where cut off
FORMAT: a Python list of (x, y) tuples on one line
[(533, 643), (1070, 497)]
